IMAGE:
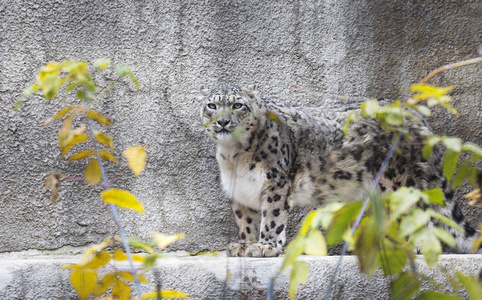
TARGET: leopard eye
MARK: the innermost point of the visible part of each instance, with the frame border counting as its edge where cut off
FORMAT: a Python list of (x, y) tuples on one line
[(237, 105), (212, 106)]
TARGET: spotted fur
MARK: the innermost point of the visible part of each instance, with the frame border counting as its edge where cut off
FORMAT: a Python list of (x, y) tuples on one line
[(273, 157)]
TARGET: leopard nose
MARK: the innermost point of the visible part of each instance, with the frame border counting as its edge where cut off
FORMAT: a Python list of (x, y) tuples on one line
[(223, 123)]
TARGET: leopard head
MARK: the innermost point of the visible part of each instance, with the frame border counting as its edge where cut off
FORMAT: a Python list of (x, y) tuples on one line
[(229, 114)]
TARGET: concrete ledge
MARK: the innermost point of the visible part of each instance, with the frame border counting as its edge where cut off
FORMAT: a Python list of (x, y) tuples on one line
[(204, 277)]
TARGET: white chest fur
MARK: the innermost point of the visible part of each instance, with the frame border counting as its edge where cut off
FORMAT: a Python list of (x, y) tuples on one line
[(240, 183)]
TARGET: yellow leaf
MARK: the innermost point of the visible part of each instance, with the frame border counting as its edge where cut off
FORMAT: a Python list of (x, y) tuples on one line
[(475, 195), (478, 242), (105, 140), (164, 240), (429, 91), (136, 157), (122, 199), (130, 277), (65, 135), (104, 284), (92, 172), (48, 80), (315, 243), (119, 254), (83, 281), (98, 261), (107, 156), (81, 155), (142, 279), (92, 250), (63, 112), (121, 290), (166, 294), (95, 115), (77, 139)]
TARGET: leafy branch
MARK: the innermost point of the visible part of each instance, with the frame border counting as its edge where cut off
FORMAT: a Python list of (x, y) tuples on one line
[(74, 79), (384, 230)]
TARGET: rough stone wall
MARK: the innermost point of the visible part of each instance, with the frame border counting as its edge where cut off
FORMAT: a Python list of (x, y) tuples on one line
[(334, 48)]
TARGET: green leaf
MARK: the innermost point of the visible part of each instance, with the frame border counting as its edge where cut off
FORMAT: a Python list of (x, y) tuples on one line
[(413, 221), (431, 247), (324, 215), (401, 200), (369, 108), (315, 243), (449, 161), (461, 174), (101, 63), (138, 243), (298, 275), (391, 257), (405, 286), (352, 117), (342, 220), (134, 80), (431, 295), (429, 144), (367, 239), (122, 70), (472, 148), (444, 236), (294, 249), (473, 176), (82, 95), (423, 110), (122, 199), (435, 196), (471, 284), (444, 219), (454, 144)]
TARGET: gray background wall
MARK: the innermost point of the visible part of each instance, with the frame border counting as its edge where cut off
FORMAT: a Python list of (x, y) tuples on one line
[(335, 48)]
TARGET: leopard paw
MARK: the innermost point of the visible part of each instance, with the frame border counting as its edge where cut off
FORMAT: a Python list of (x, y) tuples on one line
[(262, 250), (237, 249)]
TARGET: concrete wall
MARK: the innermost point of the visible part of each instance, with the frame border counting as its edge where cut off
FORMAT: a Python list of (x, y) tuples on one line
[(40, 277), (336, 48)]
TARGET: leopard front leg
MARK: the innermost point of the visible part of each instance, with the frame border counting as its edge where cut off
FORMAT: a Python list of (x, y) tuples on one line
[(248, 222), (272, 229)]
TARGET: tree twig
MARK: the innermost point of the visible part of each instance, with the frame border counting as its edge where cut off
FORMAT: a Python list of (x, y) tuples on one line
[(451, 66)]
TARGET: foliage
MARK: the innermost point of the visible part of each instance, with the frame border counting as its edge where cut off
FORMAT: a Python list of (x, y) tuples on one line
[(96, 260), (72, 83), (394, 226)]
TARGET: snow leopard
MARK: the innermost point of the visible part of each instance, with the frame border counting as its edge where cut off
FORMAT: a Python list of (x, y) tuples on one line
[(273, 157)]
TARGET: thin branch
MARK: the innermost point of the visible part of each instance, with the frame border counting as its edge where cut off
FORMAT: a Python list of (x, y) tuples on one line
[(451, 66), (113, 209)]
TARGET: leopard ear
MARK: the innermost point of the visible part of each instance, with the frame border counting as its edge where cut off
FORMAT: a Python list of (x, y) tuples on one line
[(205, 92), (250, 90)]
